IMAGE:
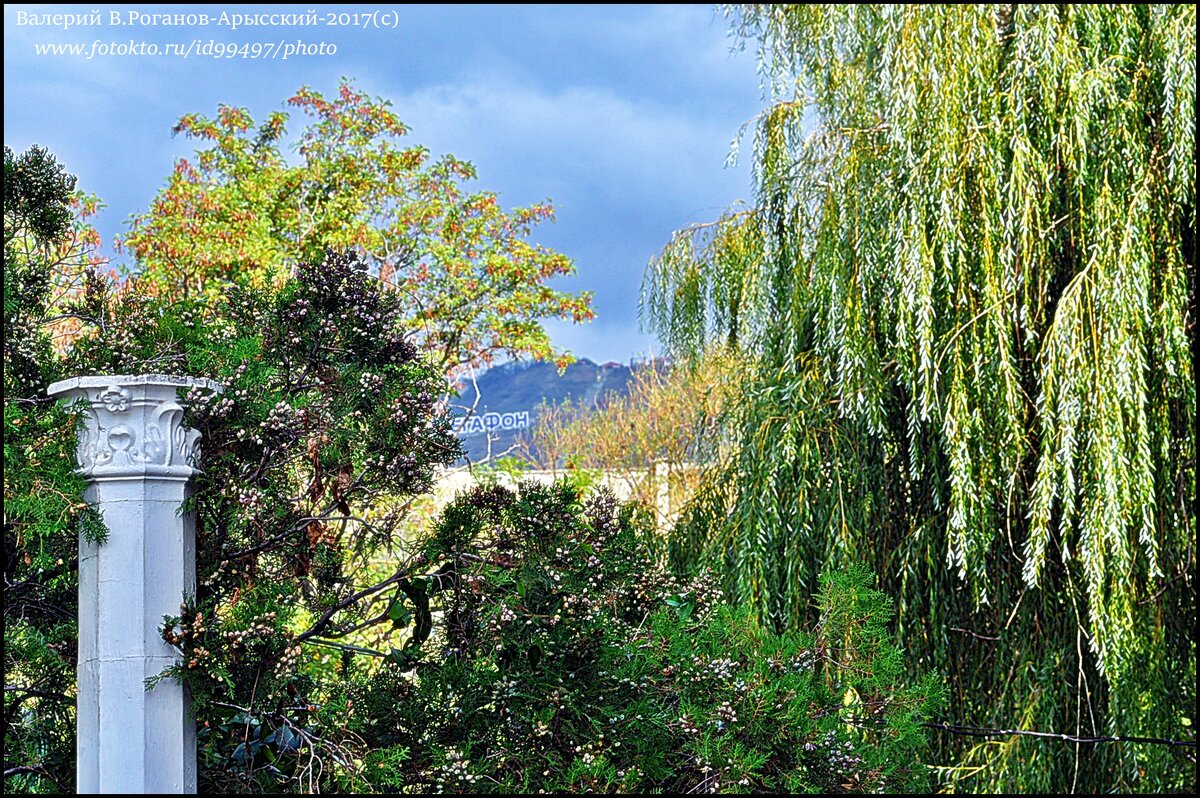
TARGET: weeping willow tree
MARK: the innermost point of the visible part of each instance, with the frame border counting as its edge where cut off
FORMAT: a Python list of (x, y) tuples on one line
[(962, 302)]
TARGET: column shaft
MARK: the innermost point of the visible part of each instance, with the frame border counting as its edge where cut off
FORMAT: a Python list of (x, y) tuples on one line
[(138, 457)]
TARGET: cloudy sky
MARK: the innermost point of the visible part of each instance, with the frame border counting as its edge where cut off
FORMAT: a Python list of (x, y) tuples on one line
[(621, 116)]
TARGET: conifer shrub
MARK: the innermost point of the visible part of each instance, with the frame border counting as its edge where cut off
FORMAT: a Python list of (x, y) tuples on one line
[(565, 658)]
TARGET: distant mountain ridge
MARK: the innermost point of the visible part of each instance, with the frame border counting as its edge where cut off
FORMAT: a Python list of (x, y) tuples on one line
[(509, 396)]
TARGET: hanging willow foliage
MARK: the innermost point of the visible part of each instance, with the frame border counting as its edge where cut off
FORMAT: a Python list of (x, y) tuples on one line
[(962, 298)]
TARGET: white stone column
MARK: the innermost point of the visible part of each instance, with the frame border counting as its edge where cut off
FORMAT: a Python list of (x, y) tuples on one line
[(137, 457)]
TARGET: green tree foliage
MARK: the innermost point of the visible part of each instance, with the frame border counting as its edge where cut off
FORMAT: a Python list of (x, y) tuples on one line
[(43, 508), (242, 212), (529, 640), (567, 659), (963, 287)]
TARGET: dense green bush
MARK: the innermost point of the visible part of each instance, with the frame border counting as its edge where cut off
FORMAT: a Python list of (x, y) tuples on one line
[(43, 513), (567, 659)]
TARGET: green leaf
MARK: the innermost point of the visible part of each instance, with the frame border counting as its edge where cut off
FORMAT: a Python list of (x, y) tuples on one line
[(399, 614)]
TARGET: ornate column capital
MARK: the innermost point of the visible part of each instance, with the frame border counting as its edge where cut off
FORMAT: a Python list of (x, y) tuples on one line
[(133, 425)]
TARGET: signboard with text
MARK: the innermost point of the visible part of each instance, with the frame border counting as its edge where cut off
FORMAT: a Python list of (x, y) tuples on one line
[(490, 422)]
